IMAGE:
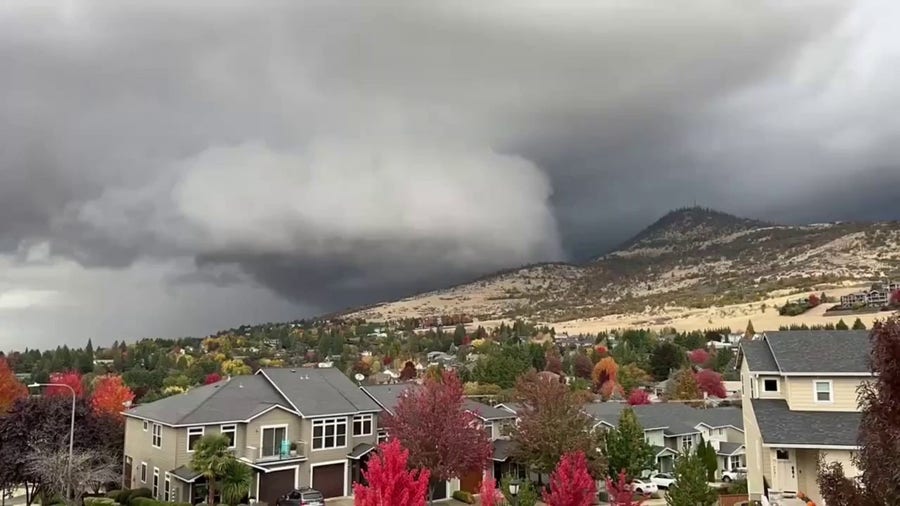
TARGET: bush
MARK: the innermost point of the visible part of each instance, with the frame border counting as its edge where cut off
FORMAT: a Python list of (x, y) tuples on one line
[(114, 494), (144, 501), (99, 501), (137, 494), (463, 496)]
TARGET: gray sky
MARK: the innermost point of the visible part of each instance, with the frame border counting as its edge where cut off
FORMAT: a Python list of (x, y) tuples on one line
[(173, 168)]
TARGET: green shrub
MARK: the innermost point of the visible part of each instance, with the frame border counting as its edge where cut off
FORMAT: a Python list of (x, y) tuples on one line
[(463, 496), (114, 494), (137, 493), (99, 501), (528, 496), (145, 501)]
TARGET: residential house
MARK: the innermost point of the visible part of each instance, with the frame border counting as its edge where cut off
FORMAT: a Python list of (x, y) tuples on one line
[(878, 295), (799, 391), (293, 427), (672, 428), (495, 422)]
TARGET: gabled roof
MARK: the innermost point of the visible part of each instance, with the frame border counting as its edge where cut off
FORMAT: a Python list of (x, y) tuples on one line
[(235, 399), (387, 396), (319, 392), (727, 448), (779, 425), (672, 418), (789, 352), (503, 449)]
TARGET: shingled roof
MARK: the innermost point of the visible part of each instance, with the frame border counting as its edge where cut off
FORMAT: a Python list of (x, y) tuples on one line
[(673, 418), (778, 425), (387, 396), (788, 352)]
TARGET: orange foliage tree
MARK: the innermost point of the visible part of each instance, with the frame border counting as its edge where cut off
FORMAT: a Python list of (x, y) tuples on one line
[(11, 389), (604, 377), (111, 395)]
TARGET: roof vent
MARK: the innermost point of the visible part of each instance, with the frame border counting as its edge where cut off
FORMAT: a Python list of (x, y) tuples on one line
[(293, 370)]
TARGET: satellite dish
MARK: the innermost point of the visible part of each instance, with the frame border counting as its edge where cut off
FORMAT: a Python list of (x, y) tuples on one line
[(359, 377)]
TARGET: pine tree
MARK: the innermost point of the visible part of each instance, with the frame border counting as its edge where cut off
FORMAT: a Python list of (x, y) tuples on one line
[(626, 448), (690, 487), (841, 325), (859, 325), (750, 332), (708, 455)]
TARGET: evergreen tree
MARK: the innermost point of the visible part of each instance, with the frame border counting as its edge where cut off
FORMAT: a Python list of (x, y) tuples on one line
[(459, 334), (665, 358), (626, 448), (690, 487), (841, 325), (750, 332), (859, 325), (710, 459)]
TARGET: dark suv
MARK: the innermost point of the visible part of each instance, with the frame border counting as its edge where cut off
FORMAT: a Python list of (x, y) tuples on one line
[(303, 496)]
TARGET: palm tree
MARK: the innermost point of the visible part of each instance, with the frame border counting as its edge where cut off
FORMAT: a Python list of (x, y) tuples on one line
[(236, 479), (211, 456)]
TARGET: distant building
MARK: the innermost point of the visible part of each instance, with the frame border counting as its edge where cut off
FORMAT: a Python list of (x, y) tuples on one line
[(879, 295)]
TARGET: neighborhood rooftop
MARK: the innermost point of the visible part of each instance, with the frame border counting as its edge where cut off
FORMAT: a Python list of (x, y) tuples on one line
[(779, 425), (316, 392), (388, 396), (675, 419), (788, 352)]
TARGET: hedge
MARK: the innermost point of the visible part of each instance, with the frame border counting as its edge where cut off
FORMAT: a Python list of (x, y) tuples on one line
[(100, 501), (147, 501), (463, 496)]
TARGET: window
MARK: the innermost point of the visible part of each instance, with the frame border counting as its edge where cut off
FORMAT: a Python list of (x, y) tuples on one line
[(382, 436), (770, 385), (735, 462), (362, 425), (782, 455), (489, 428), (687, 442), (271, 440), (146, 424), (143, 472), (823, 391), (156, 483), (230, 431), (194, 434), (166, 488), (329, 433), (157, 435)]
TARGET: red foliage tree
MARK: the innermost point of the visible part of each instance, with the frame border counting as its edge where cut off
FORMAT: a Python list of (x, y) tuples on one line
[(11, 389), (638, 396), (553, 361), (387, 360), (408, 372), (71, 378), (389, 481), (601, 350), (571, 483), (490, 496), (895, 298), (440, 434), (621, 493), (710, 382), (813, 300), (211, 378), (699, 356), (111, 396), (582, 366)]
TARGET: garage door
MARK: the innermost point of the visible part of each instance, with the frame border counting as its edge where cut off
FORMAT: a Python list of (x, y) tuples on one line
[(329, 480), (275, 484)]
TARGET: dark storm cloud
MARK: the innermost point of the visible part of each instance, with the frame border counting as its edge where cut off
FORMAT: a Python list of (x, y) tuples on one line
[(342, 152)]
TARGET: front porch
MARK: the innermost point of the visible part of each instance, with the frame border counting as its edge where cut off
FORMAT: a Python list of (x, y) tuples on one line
[(792, 471)]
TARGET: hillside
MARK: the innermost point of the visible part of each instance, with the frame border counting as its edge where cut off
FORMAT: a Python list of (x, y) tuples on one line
[(689, 258)]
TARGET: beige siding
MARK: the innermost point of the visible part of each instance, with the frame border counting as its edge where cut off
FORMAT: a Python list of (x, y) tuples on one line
[(655, 437), (800, 394), (138, 446), (761, 392), (757, 457), (253, 433)]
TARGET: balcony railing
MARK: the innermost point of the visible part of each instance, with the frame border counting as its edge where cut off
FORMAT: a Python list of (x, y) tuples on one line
[(293, 450)]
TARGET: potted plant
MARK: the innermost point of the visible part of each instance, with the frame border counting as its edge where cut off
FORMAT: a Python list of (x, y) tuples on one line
[(293, 448)]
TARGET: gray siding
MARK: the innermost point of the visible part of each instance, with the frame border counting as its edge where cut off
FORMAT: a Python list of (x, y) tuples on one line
[(138, 446)]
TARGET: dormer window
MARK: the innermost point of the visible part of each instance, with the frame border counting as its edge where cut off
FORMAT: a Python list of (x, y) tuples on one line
[(770, 385), (823, 390)]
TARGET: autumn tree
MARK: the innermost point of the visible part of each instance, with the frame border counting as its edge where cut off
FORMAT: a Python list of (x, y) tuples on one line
[(70, 378), (488, 492), (685, 386), (582, 366), (604, 373), (211, 378), (440, 434), (665, 358), (111, 396), (626, 448), (710, 383), (621, 492), (813, 300), (571, 484), (698, 356), (631, 376), (690, 487), (552, 424), (638, 397), (878, 459), (10, 387), (408, 372), (389, 482), (553, 361)]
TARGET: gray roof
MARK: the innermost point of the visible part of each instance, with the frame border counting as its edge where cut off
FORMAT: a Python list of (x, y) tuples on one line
[(673, 418), (513, 407), (360, 450), (809, 351), (503, 449), (185, 473), (234, 399), (843, 351), (323, 391), (726, 448), (389, 395), (779, 425)]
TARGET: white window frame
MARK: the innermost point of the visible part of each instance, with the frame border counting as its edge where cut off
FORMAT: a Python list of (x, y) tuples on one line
[(690, 442), (734, 461), (156, 437), (489, 428), (777, 385), (192, 431), (382, 436), (830, 391), (362, 420), (146, 425), (156, 483), (262, 433), (167, 489), (143, 472), (232, 428), (325, 422)]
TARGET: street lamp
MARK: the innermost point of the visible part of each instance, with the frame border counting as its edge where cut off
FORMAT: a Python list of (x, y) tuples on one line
[(71, 432), (514, 491)]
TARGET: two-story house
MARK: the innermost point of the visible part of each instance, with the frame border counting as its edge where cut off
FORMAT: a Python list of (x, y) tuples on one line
[(800, 405), (672, 428), (494, 421), (293, 427)]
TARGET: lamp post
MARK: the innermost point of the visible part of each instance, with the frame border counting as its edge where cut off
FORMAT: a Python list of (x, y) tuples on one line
[(514, 491), (71, 432)]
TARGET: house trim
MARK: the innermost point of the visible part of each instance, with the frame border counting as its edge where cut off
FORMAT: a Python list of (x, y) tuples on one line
[(811, 447), (187, 440), (262, 432), (222, 422), (720, 426), (830, 391), (312, 466)]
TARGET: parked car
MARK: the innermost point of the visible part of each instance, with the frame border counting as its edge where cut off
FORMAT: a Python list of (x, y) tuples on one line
[(644, 486), (303, 496), (738, 473), (662, 480)]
